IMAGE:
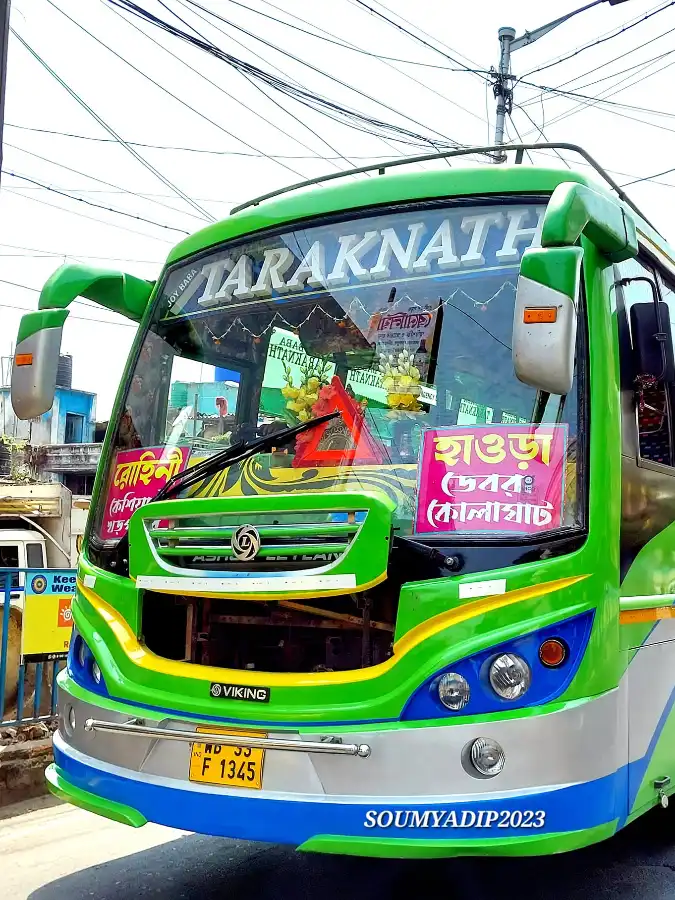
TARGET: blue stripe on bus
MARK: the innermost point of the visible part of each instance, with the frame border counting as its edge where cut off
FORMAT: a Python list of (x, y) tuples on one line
[(293, 821)]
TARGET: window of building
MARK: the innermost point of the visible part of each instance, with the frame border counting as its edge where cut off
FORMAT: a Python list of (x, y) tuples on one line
[(74, 428), (81, 485), (34, 556)]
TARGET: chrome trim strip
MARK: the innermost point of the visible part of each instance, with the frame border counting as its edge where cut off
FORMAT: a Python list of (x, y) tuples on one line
[(245, 583), (171, 734)]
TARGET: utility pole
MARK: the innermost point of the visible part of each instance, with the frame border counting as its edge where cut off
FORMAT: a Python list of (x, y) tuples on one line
[(4, 39), (502, 88), (502, 78)]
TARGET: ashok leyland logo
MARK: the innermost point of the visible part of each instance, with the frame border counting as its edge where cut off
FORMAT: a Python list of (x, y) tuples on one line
[(245, 543)]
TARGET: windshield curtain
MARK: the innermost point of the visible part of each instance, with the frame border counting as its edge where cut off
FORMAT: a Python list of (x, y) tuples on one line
[(402, 322)]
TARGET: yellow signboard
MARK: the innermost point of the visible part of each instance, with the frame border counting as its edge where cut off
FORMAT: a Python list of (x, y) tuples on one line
[(47, 616)]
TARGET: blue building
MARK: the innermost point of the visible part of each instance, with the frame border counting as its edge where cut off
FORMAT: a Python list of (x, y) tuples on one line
[(65, 434), (71, 420)]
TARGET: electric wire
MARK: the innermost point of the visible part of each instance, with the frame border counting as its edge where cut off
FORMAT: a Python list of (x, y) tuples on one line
[(410, 34), (582, 87), (108, 128), (86, 137), (79, 318), (308, 98), (610, 31), (650, 178), (426, 34), (284, 74), (111, 209), (74, 212), (297, 59), (384, 60), (38, 251), (216, 85), (174, 96), (276, 103), (599, 41), (342, 42), (117, 187), (540, 129), (590, 101)]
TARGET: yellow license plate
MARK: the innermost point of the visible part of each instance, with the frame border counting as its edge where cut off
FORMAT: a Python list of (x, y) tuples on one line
[(226, 765)]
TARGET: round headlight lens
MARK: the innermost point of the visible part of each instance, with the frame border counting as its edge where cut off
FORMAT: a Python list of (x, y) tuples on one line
[(71, 718), (510, 676), (453, 691), (487, 757), (96, 672), (81, 652)]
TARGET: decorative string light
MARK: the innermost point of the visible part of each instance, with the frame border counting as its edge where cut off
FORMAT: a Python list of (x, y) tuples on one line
[(341, 321)]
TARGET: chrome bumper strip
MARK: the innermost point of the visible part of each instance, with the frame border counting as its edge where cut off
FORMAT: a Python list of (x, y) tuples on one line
[(332, 745)]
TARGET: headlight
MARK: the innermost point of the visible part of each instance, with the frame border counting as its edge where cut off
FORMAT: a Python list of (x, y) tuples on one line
[(453, 691), (510, 676), (81, 652), (96, 672), (487, 757)]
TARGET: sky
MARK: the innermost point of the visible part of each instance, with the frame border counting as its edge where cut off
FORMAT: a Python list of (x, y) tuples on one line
[(240, 139)]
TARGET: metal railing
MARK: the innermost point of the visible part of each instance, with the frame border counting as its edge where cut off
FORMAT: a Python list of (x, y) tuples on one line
[(27, 689)]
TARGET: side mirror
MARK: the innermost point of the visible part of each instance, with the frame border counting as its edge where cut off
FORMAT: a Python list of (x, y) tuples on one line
[(35, 362), (652, 340), (39, 340), (545, 318)]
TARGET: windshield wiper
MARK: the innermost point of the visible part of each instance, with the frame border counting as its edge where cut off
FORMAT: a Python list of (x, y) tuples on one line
[(229, 457), (234, 454)]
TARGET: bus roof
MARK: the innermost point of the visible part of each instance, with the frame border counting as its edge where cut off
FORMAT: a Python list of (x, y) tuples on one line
[(370, 189)]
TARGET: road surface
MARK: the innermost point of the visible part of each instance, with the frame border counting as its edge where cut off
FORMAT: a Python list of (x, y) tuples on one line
[(60, 853)]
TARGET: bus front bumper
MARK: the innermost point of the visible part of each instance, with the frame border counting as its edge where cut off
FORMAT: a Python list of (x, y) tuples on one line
[(410, 798)]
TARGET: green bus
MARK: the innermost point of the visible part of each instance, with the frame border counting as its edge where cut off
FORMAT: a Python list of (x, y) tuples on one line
[(380, 559)]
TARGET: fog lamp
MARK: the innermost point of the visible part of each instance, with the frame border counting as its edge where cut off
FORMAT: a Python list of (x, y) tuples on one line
[(487, 757)]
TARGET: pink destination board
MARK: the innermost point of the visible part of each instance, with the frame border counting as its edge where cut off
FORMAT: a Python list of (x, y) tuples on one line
[(492, 478), (137, 477)]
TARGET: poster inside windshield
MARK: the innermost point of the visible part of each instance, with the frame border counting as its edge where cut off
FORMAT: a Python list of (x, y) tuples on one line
[(492, 478)]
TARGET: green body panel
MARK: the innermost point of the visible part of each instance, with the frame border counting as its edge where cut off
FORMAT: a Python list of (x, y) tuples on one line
[(33, 322), (400, 848), (61, 788), (557, 267), (116, 291), (574, 210)]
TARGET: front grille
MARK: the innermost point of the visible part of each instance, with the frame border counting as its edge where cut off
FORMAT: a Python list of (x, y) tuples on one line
[(289, 541)]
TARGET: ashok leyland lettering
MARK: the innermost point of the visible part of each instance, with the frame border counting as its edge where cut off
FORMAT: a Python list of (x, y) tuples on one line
[(380, 555)]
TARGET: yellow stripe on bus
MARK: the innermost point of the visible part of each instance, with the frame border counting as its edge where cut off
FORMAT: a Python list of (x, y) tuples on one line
[(142, 657)]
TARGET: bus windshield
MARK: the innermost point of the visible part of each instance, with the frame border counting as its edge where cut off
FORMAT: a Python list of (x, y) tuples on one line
[(402, 321)]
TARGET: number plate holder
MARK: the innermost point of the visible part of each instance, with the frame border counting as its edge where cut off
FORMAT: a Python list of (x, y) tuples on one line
[(225, 765)]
